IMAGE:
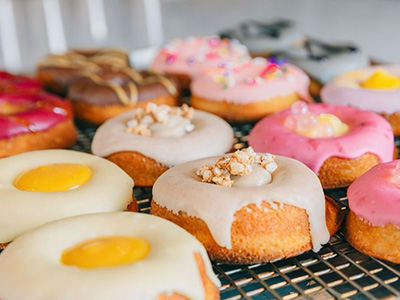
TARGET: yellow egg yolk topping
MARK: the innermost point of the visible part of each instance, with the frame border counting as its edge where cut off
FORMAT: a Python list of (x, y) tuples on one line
[(326, 125), (106, 252), (381, 80), (53, 178)]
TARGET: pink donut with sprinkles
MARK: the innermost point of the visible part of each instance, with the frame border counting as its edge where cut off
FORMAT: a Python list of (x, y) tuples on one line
[(338, 143), (11, 83), (34, 121)]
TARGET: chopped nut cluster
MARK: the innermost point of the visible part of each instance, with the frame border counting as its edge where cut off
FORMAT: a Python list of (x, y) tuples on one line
[(143, 117), (237, 164)]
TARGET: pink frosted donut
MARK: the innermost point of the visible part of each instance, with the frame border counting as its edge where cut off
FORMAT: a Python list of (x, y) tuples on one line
[(373, 224), (34, 121), (10, 83), (336, 160), (251, 90), (190, 57)]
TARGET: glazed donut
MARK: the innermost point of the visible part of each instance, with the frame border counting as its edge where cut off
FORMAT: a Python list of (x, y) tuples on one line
[(105, 256), (176, 135), (363, 87), (188, 58), (12, 83), (41, 186), (56, 71), (251, 90), (264, 39), (373, 225), (99, 97), (324, 61), (34, 121), (337, 156), (261, 217)]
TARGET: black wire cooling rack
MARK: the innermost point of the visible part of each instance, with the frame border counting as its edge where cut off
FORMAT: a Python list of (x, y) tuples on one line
[(338, 271)]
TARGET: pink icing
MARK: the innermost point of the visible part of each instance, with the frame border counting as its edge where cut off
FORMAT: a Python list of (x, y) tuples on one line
[(374, 197), (40, 112), (10, 82), (192, 56), (248, 87), (368, 133), (380, 101)]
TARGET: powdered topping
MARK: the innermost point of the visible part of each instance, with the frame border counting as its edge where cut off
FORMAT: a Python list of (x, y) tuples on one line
[(305, 122), (240, 164), (161, 120)]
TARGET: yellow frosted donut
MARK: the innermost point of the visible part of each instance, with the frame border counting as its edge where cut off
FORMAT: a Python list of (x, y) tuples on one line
[(42, 186), (119, 256)]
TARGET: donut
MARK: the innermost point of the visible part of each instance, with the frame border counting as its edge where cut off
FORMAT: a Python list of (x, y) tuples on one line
[(99, 97), (372, 225), (338, 143), (250, 91), (188, 58), (116, 255), (324, 61), (363, 87), (146, 142), (34, 121), (12, 83), (247, 208), (42, 186), (264, 39), (56, 71)]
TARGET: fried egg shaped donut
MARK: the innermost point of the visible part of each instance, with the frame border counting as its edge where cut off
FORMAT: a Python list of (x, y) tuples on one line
[(337, 160), (373, 224), (135, 256), (42, 186), (251, 224)]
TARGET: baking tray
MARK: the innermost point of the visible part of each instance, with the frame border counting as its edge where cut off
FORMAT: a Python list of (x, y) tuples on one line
[(337, 271)]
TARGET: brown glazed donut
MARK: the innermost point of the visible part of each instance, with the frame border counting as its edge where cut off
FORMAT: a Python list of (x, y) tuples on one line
[(56, 71), (99, 97)]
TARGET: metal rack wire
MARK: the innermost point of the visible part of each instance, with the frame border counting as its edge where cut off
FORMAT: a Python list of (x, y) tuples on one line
[(338, 271)]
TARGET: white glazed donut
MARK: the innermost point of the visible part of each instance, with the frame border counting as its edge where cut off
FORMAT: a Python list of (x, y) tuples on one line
[(32, 267), (108, 189)]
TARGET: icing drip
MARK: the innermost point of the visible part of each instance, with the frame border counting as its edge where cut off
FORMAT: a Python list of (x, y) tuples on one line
[(161, 121), (306, 123)]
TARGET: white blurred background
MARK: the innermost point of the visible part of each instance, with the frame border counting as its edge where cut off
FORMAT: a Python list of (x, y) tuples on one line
[(29, 29)]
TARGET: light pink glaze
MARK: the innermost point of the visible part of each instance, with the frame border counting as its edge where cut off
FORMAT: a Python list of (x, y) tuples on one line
[(374, 197), (368, 133), (342, 91), (36, 112), (10, 82), (192, 56), (246, 90)]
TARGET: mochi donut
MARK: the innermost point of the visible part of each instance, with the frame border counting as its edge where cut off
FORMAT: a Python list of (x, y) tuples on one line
[(41, 186), (147, 141), (11, 83), (251, 90), (188, 58), (264, 39), (373, 224), (99, 97), (247, 208), (103, 256), (338, 143), (55, 72), (324, 61), (375, 88), (33, 122)]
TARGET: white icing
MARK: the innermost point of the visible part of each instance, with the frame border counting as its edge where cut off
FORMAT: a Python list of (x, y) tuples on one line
[(109, 189), (211, 136), (175, 126), (30, 267), (180, 189), (258, 177)]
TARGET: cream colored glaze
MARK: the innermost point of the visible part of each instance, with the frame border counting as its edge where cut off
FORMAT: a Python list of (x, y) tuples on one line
[(180, 189), (109, 189), (258, 177), (212, 136), (175, 126), (30, 267)]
